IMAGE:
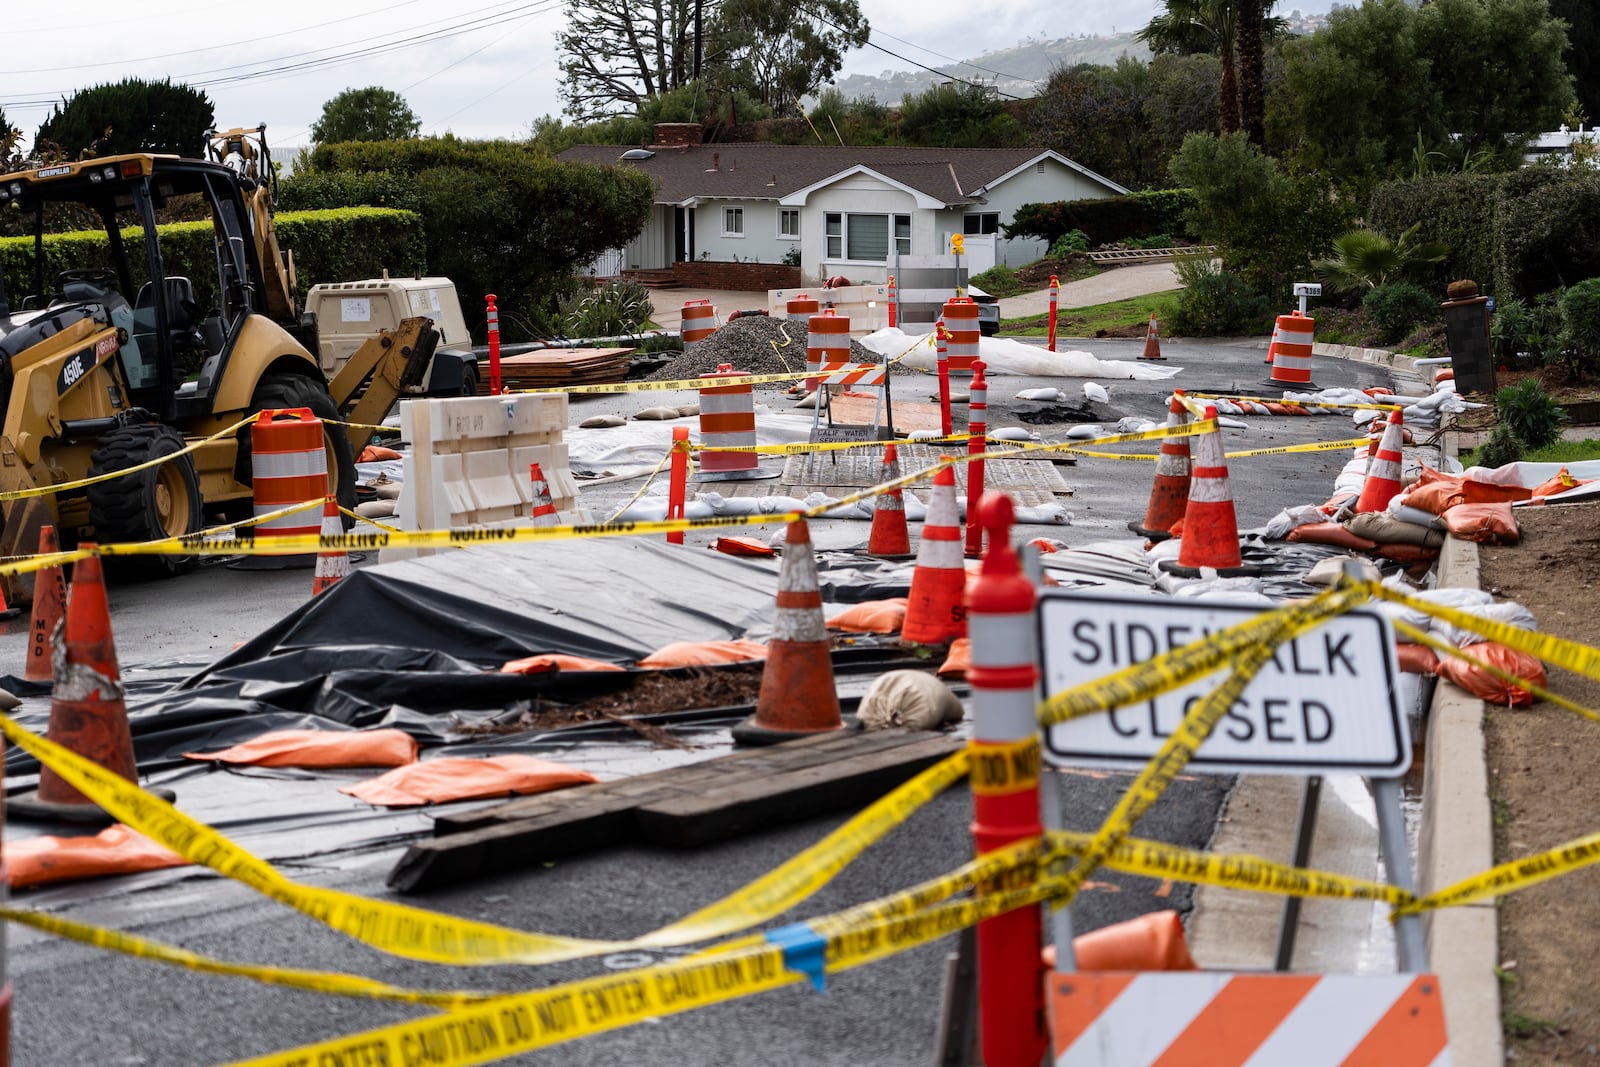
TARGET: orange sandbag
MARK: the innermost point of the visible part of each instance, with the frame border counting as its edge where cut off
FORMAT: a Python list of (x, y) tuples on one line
[(1278, 409), (1559, 484), (1487, 524), (1446, 375), (546, 662), (871, 617), (1152, 942), (1416, 659), (1435, 497), (1376, 391), (437, 781), (1479, 682), (114, 850), (744, 546), (373, 453), (1329, 533), (705, 653), (1428, 474), (1476, 492), (1407, 553), (957, 660), (320, 748)]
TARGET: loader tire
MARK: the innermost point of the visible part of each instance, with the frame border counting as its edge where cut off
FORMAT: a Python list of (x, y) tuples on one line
[(296, 391), (147, 505)]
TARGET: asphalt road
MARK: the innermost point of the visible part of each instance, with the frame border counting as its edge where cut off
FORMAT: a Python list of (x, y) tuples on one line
[(79, 1005)]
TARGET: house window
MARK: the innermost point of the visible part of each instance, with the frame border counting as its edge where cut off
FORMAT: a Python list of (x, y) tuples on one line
[(978, 224), (864, 238), (789, 223), (733, 222)]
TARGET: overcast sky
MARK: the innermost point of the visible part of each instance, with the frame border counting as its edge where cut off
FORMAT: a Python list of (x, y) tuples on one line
[(480, 70)]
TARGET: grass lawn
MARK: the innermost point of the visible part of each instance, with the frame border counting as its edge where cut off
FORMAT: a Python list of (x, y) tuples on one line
[(1116, 319), (1559, 452)]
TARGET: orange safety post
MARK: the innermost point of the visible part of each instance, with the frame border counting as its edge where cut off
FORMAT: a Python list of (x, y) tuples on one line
[(1055, 300), (942, 338), (678, 480), (977, 441), (49, 600), (493, 316), (1005, 760), (894, 303)]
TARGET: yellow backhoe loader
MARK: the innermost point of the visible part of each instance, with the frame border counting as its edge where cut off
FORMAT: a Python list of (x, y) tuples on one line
[(108, 359)]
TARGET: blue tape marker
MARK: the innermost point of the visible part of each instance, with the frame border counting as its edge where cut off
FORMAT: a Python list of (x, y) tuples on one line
[(804, 950)]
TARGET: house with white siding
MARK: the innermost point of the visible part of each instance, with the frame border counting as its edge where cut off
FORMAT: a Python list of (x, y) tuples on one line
[(836, 210)]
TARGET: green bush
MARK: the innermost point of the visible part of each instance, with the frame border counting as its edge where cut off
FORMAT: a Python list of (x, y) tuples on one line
[(1068, 243), (1529, 413), (1154, 240), (1580, 326), (617, 307), (1498, 449), (1347, 326), (999, 280), (1508, 332), (328, 246), (1219, 304), (1459, 211), (1104, 221), (319, 191), (1399, 308)]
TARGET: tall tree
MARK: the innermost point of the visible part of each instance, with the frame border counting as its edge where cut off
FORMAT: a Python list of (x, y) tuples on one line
[(1202, 26), (1583, 56), (132, 115), (1252, 89), (1098, 116), (778, 53), (370, 114)]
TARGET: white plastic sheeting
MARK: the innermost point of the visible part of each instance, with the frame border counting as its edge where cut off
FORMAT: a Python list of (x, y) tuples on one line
[(1004, 356)]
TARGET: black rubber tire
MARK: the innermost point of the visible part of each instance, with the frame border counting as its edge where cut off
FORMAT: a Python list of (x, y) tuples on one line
[(469, 381), (148, 505), (297, 391)]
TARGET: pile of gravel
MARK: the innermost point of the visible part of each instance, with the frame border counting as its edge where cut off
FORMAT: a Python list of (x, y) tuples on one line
[(748, 344)]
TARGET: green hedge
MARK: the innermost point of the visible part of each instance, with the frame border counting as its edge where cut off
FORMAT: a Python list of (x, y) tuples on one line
[(1517, 234), (328, 246), (1105, 221)]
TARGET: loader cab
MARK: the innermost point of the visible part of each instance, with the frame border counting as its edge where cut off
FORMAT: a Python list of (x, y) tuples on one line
[(175, 332)]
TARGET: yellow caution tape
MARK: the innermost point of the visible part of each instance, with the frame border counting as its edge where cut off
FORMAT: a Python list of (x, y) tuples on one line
[(1508, 877), (802, 447), (1445, 648), (1318, 446), (1300, 403), (48, 490), (1004, 768), (677, 385), (417, 933)]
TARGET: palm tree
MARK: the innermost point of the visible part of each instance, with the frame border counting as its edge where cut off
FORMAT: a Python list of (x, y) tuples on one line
[(1366, 259), (1252, 93), (1202, 26)]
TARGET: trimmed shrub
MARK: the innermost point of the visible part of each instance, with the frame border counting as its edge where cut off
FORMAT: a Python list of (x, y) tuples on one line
[(1580, 326), (1104, 221), (1399, 308), (1219, 304), (1068, 243), (1547, 230), (320, 191), (1527, 410), (1459, 210)]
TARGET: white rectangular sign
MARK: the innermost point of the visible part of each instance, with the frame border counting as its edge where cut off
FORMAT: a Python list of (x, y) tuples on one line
[(1307, 289), (1326, 703)]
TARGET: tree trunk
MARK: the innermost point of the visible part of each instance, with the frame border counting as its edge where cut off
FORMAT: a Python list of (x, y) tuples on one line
[(1252, 91), (1228, 93)]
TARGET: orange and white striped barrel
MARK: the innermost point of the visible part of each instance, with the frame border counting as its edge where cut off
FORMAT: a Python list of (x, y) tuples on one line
[(827, 341), (1291, 355), (802, 307), (699, 322), (961, 322), (288, 465), (727, 420)]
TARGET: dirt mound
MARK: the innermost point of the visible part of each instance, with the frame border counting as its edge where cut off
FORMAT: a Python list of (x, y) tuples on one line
[(1037, 274)]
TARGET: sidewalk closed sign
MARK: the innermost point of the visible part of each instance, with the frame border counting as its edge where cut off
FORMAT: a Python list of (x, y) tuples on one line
[(1326, 703)]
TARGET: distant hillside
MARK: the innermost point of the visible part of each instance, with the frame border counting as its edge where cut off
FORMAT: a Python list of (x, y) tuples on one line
[(1023, 70)]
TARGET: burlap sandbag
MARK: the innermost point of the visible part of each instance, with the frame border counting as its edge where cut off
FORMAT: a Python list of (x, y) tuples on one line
[(915, 700)]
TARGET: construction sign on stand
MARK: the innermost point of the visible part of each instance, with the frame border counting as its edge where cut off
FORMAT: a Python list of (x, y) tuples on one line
[(1216, 1019)]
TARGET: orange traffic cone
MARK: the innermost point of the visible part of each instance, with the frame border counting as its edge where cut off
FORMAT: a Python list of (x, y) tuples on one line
[(1169, 495), (1273, 344), (1152, 340), (1210, 529), (934, 611), (890, 539), (797, 692), (1152, 942), (544, 509), (49, 600), (87, 713), (1384, 472), (334, 563)]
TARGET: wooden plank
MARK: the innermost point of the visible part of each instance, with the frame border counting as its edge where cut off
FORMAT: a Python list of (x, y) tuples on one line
[(680, 806)]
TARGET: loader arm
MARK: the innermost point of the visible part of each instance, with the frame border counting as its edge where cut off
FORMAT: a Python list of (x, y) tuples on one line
[(397, 364)]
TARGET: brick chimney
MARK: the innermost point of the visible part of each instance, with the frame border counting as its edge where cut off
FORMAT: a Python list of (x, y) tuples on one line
[(679, 134)]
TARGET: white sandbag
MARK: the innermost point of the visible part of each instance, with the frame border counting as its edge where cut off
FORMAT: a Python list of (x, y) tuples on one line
[(915, 700), (1044, 515), (1506, 611), (1096, 392), (1012, 433), (1280, 524), (1135, 424), (654, 509), (1231, 423), (1330, 571), (1047, 396), (1087, 431), (1224, 590)]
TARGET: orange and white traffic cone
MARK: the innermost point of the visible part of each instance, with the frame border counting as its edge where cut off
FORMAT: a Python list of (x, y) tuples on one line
[(334, 563), (1210, 537), (49, 601), (935, 613), (544, 509), (797, 692), (87, 712), (1169, 495), (1384, 473), (1273, 344), (1152, 340), (890, 539)]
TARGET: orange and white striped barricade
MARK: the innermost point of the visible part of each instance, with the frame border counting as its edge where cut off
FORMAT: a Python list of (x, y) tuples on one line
[(1291, 353), (288, 466), (961, 321), (1005, 759), (1112, 1019), (699, 321), (728, 420), (977, 441)]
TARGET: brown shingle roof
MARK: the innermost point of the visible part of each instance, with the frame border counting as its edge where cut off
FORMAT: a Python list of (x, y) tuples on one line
[(755, 171)]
